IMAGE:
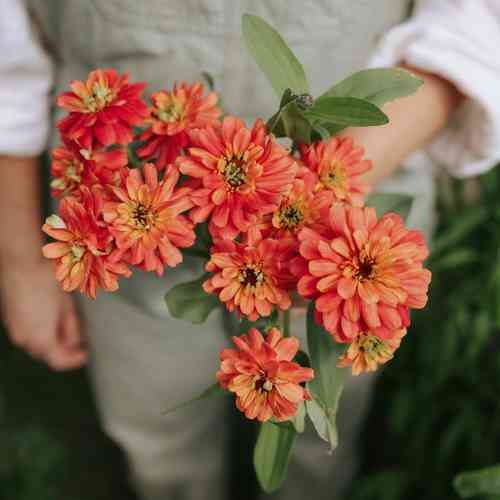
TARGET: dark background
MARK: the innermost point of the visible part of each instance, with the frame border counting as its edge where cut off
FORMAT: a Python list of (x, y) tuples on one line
[(435, 411)]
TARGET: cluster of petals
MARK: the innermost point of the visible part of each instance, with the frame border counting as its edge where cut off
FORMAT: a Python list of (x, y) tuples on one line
[(102, 109), (367, 351), (73, 167), (364, 274), (171, 116), (82, 247), (146, 219), (262, 375), (242, 175), (247, 276), (338, 165)]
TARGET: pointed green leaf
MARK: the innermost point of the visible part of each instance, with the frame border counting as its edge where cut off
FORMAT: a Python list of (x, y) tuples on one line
[(480, 482), (346, 111), (272, 454), (188, 301), (213, 390), (383, 203), (273, 56), (328, 383), (299, 421), (376, 85)]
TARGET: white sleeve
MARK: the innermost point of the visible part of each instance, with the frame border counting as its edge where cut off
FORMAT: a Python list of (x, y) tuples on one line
[(25, 82), (460, 41)]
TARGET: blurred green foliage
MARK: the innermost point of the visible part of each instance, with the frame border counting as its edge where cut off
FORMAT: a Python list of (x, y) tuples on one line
[(437, 404), (51, 445)]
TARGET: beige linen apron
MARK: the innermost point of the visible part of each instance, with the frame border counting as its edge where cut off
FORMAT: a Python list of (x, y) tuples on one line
[(143, 361)]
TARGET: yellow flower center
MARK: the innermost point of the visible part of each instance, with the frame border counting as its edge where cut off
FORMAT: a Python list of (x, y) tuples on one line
[(72, 171), (290, 216), (99, 98), (233, 170), (169, 110), (335, 176), (77, 253), (251, 275), (372, 347)]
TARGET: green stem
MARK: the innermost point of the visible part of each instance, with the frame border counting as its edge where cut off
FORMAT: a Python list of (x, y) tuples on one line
[(286, 323)]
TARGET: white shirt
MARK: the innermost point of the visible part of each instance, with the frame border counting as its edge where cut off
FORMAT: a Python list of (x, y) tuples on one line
[(456, 39)]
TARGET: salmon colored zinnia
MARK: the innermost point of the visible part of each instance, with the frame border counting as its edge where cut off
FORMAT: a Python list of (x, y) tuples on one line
[(262, 375), (338, 165), (73, 166), (81, 252), (170, 118), (105, 107), (246, 277), (367, 352), (243, 175), (147, 221), (365, 274)]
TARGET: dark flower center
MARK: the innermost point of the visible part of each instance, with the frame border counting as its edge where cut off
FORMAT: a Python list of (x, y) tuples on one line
[(290, 216), (141, 215), (251, 276)]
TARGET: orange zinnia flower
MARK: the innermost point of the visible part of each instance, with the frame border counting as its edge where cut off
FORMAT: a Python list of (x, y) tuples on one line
[(72, 166), (338, 165), (104, 107), (243, 172), (367, 351), (146, 220), (172, 115), (81, 254), (263, 376), (247, 277), (364, 274)]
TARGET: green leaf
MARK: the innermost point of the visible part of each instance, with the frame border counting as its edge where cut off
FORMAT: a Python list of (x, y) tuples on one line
[(299, 421), (213, 390), (328, 383), (377, 86), (273, 56), (325, 426), (272, 454), (346, 111), (479, 482), (391, 202), (188, 301)]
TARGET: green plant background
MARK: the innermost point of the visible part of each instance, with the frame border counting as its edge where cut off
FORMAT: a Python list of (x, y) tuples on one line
[(435, 412)]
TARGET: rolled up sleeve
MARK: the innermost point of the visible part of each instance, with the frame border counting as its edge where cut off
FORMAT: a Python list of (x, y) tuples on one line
[(458, 40), (25, 83)]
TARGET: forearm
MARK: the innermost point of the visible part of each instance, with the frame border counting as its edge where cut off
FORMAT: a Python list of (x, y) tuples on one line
[(414, 121), (20, 210)]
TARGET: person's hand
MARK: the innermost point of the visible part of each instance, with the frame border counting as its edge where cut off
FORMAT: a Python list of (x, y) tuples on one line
[(40, 317)]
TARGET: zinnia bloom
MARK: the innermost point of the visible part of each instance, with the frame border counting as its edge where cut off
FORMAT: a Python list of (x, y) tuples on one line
[(263, 376), (81, 252), (146, 219), (73, 166), (104, 107), (365, 274), (338, 165), (243, 172), (172, 115), (247, 277), (367, 351)]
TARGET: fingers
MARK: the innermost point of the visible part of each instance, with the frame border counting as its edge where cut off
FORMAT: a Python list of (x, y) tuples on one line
[(68, 351)]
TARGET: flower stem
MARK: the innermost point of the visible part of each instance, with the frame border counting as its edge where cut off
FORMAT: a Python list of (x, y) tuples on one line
[(286, 323)]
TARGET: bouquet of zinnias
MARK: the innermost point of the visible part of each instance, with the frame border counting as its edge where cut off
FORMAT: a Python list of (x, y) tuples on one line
[(274, 220)]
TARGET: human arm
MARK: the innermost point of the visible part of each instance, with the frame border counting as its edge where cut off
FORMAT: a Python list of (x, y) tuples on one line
[(38, 316)]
